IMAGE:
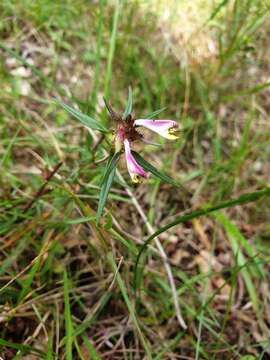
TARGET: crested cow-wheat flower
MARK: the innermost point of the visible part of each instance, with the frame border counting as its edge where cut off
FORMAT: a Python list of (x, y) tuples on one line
[(165, 128), (126, 133)]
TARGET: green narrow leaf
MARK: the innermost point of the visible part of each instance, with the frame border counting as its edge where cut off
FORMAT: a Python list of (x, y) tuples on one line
[(13, 255), (93, 316), (154, 113), (68, 319), (91, 349), (128, 109), (148, 167), (110, 165), (243, 199), (23, 348), (97, 77), (105, 188), (35, 70), (238, 238), (129, 305), (108, 74), (9, 147), (84, 119), (49, 355), (233, 235), (217, 10), (28, 282), (247, 91), (80, 220)]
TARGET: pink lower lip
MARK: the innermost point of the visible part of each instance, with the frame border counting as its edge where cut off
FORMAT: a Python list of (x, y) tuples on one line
[(133, 166)]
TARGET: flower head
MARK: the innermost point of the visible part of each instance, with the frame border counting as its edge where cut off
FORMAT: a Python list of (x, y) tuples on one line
[(165, 128), (126, 132), (136, 172)]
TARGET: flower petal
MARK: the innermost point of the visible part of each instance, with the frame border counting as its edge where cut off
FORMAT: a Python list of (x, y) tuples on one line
[(134, 169), (165, 128)]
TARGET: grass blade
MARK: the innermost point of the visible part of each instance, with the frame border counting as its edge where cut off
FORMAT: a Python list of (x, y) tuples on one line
[(34, 69), (105, 188), (130, 308), (148, 167), (93, 317), (50, 355), (91, 349), (243, 199), (93, 99), (21, 347), (234, 237), (108, 75), (238, 238), (68, 319), (27, 283), (154, 113), (84, 119), (217, 9), (110, 165), (128, 109)]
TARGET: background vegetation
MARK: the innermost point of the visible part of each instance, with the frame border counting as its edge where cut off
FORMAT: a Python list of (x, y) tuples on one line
[(67, 287)]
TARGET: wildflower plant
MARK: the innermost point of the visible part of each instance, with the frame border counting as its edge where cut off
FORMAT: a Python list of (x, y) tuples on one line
[(126, 131)]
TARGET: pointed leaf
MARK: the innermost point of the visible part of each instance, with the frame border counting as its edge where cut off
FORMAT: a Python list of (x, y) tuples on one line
[(241, 200), (84, 119), (233, 236), (105, 188), (237, 240), (22, 347), (154, 113), (110, 165), (68, 318), (93, 354), (148, 167), (128, 109)]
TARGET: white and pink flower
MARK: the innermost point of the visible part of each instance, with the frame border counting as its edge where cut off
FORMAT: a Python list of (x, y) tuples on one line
[(165, 128), (136, 172), (126, 133)]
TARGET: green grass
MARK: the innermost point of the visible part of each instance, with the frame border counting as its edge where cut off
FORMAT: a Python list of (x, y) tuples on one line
[(67, 264)]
